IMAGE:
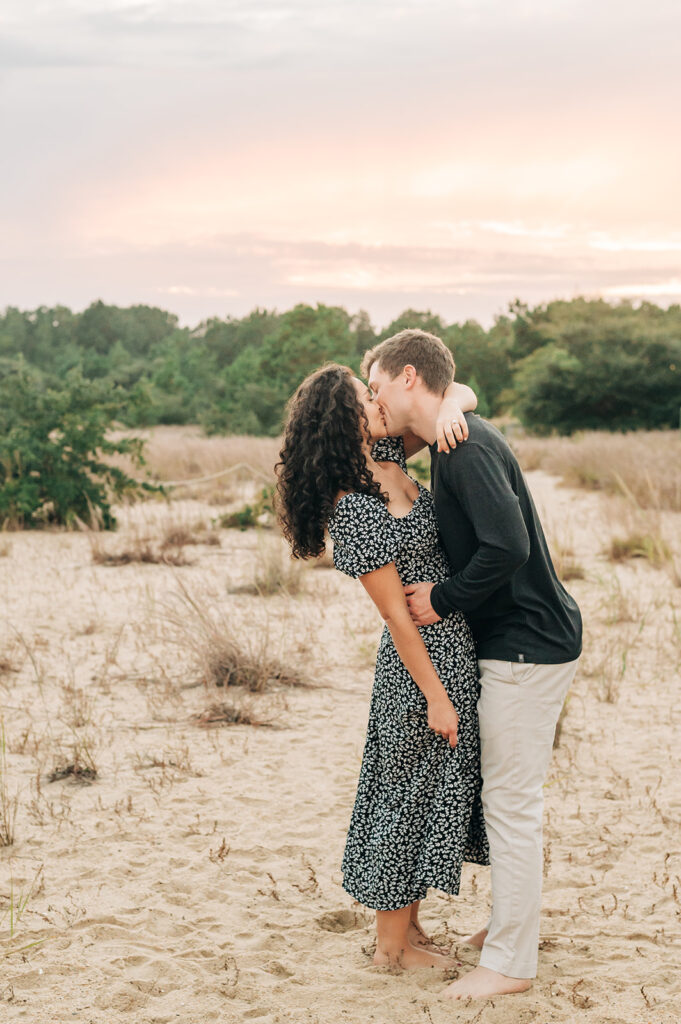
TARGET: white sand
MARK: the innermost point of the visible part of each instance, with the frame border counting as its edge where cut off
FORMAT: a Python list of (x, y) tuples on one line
[(197, 879)]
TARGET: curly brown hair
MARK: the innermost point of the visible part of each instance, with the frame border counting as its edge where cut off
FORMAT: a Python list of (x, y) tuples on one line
[(321, 455)]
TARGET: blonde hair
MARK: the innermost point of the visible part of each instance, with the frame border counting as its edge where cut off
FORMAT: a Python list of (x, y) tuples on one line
[(428, 354)]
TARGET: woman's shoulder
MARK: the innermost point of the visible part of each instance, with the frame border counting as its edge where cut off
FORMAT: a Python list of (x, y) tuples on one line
[(355, 506), (363, 534)]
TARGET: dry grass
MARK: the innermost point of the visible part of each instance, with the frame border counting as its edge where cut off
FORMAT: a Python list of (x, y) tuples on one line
[(179, 534), (177, 759), (644, 466), (652, 547), (637, 532), (273, 570), (567, 568), (10, 919), (78, 706), (9, 662), (78, 763), (5, 548), (223, 713), (674, 569), (561, 548), (137, 548), (221, 654), (201, 466), (619, 604), (139, 552), (607, 662), (9, 805)]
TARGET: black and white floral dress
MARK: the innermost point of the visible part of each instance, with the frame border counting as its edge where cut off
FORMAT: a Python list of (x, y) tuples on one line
[(417, 813)]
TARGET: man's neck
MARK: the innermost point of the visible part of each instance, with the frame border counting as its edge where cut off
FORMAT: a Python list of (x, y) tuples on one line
[(423, 420)]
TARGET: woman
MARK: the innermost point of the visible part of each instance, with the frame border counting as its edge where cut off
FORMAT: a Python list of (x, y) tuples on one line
[(417, 812)]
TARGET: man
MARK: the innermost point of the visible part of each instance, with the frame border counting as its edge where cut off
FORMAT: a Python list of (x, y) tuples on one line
[(527, 630)]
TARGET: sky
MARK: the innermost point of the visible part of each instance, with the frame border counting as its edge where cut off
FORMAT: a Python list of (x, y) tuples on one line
[(213, 156)]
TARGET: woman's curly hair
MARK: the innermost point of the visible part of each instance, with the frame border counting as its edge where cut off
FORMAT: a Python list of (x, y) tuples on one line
[(321, 455)]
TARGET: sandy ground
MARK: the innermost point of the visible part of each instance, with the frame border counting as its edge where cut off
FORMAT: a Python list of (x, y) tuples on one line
[(197, 878)]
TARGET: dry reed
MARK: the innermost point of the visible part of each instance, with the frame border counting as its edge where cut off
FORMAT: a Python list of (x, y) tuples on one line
[(138, 549), (79, 763), (642, 465), (9, 805), (186, 457), (224, 713), (273, 571), (650, 546), (223, 655)]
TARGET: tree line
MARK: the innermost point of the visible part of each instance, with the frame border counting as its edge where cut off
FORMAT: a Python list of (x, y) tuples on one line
[(561, 366)]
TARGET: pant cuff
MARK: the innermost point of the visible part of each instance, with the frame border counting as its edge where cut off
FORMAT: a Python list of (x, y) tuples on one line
[(507, 966)]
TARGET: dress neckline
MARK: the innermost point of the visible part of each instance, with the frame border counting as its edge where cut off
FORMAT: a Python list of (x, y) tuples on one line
[(397, 518)]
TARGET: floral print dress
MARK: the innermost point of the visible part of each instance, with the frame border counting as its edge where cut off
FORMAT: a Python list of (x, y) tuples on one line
[(417, 814)]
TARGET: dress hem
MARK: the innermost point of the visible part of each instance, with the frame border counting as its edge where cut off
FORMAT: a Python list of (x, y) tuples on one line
[(421, 895)]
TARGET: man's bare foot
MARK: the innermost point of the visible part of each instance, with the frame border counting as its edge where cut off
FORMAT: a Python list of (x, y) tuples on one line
[(478, 939), (412, 956), (417, 937), (482, 983)]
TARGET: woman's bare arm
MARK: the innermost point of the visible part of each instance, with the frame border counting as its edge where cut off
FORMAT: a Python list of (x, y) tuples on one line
[(385, 589)]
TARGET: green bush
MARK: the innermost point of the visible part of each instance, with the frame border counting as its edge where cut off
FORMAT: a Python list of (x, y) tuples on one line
[(249, 515), (52, 440)]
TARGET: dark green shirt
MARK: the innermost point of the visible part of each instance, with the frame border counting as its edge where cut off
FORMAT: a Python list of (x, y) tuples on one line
[(503, 577)]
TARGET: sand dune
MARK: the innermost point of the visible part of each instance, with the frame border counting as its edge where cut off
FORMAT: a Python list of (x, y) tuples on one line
[(197, 879)]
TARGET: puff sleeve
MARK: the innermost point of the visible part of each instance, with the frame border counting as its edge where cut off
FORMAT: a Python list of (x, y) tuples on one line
[(363, 535), (390, 449)]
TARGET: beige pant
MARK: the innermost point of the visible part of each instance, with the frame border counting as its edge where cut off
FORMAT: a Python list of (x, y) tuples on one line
[(518, 708)]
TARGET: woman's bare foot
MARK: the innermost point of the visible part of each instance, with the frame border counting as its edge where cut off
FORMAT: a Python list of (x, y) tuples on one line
[(412, 956), (417, 937), (478, 939), (482, 983)]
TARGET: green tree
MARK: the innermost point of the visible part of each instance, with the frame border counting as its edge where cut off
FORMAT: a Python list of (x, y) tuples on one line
[(482, 360), (257, 385), (424, 321), (600, 367)]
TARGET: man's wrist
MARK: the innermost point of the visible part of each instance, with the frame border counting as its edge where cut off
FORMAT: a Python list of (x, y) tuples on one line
[(434, 598)]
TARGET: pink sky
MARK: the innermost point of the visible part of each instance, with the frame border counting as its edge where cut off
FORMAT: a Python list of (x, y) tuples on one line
[(216, 156)]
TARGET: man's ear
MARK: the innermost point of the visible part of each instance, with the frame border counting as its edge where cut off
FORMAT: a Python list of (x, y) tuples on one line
[(410, 375)]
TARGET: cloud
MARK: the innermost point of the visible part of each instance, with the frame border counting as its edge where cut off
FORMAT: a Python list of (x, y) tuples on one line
[(609, 244), (654, 290), (514, 42), (231, 275), (241, 152), (520, 230)]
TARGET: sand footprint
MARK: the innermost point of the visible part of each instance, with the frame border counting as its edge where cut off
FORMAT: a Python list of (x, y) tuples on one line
[(341, 921)]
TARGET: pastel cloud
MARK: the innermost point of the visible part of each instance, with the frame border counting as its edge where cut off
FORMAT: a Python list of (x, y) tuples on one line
[(239, 154)]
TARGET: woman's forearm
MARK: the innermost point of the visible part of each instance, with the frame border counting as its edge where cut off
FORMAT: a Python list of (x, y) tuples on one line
[(462, 395), (414, 656), (385, 589)]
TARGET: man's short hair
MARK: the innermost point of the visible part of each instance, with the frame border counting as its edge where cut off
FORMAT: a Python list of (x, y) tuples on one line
[(428, 354)]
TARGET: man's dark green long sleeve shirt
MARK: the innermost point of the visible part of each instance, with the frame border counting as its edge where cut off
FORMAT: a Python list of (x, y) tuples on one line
[(503, 578)]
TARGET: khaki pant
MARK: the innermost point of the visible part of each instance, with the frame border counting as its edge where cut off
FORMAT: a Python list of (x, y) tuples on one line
[(518, 708)]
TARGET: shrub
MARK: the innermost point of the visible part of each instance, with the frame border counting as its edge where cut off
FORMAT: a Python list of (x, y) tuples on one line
[(52, 444), (222, 653), (261, 513)]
